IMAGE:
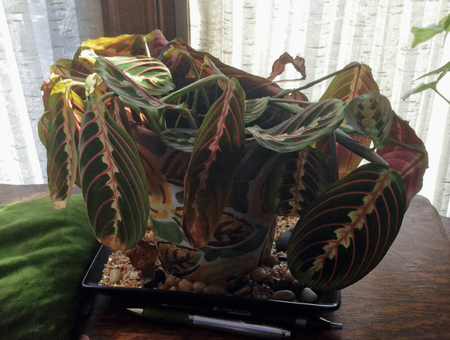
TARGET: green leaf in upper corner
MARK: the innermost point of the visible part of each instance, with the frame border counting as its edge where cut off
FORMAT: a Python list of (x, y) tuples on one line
[(371, 115), (348, 229), (61, 133), (305, 128), (136, 79), (218, 149), (422, 87), (422, 34), (113, 179)]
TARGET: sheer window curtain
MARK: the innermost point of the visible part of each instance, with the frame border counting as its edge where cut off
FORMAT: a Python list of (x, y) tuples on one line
[(329, 34), (248, 34), (33, 35)]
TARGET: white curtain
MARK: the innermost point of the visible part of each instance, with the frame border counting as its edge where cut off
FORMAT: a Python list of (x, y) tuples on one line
[(33, 35), (329, 34)]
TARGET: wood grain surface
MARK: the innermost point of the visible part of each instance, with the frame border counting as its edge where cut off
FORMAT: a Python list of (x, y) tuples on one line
[(406, 297)]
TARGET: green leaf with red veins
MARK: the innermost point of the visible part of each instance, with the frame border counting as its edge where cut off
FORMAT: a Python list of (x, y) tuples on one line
[(352, 83), (135, 79), (113, 179), (371, 115), (295, 181), (254, 108), (62, 67), (305, 128), (218, 148), (346, 86), (348, 229), (62, 158)]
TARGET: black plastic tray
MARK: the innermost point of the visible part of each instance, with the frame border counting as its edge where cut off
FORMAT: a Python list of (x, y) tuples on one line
[(203, 303)]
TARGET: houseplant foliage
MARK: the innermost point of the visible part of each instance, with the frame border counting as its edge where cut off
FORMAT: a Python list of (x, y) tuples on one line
[(421, 35), (154, 130)]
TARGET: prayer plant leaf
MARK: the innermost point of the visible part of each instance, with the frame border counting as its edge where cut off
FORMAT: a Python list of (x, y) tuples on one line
[(112, 46), (113, 179), (61, 143), (410, 161), (370, 114), (218, 148), (62, 67), (346, 86), (305, 128), (348, 229), (136, 79), (295, 181), (180, 139), (254, 108)]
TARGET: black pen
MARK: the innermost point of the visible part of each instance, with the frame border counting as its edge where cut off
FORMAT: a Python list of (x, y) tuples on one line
[(238, 327)]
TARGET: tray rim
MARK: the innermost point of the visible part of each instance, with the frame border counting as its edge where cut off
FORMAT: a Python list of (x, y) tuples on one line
[(202, 303)]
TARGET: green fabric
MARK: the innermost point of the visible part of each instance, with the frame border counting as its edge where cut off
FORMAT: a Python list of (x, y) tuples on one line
[(44, 254)]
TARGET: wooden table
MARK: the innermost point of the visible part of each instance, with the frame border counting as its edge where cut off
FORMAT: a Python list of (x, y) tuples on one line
[(406, 297)]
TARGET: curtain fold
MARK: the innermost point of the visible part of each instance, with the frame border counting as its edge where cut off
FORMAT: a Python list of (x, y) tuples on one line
[(33, 35), (330, 34)]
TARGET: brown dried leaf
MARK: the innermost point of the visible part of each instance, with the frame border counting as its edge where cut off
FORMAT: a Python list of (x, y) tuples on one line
[(143, 256), (279, 65)]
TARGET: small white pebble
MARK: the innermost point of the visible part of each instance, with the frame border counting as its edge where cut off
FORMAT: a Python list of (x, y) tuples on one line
[(198, 286), (258, 274), (171, 282), (284, 295), (134, 275), (114, 276), (308, 295), (185, 285), (288, 276), (271, 260)]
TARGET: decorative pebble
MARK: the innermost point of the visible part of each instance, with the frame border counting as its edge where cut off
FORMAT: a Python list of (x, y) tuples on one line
[(243, 291), (288, 276), (214, 289), (271, 260), (281, 284), (171, 282), (258, 274), (284, 295), (237, 284), (134, 275), (114, 276), (308, 295), (185, 285), (297, 288), (151, 237), (282, 241), (153, 283), (198, 286)]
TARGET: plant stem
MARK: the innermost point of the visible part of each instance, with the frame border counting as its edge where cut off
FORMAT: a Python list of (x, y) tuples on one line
[(289, 91), (288, 101), (192, 87), (435, 90)]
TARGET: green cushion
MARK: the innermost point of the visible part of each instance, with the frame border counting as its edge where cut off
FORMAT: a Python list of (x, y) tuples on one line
[(44, 254)]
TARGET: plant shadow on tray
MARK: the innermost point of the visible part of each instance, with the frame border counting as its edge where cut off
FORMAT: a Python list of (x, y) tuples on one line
[(200, 302)]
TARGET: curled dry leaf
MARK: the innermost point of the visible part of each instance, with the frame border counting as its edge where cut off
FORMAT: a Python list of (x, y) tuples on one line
[(279, 65), (143, 256)]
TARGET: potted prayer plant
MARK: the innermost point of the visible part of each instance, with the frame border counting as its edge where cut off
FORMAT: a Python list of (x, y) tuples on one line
[(158, 135)]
